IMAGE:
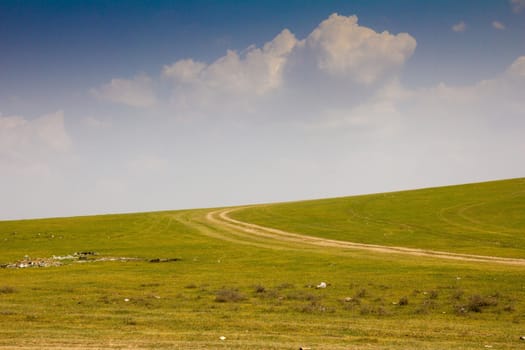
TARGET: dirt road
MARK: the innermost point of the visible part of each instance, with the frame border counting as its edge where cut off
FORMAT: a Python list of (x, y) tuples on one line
[(220, 217)]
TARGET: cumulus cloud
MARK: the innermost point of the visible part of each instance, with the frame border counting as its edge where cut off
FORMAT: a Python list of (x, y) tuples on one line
[(257, 70), (136, 92), (517, 5), (184, 71), (459, 27), (498, 25), (31, 143), (339, 52), (342, 47), (517, 68)]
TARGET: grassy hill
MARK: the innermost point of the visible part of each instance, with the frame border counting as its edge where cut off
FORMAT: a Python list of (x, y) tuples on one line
[(176, 280), (483, 218)]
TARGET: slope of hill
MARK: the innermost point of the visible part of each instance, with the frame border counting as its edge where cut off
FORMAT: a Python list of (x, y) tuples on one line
[(184, 279), (484, 218)]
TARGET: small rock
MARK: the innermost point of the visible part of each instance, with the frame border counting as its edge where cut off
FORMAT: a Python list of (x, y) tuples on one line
[(222, 337), (522, 337), (321, 285), (126, 300)]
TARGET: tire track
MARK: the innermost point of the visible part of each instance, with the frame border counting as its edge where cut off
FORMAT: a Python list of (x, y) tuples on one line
[(221, 218)]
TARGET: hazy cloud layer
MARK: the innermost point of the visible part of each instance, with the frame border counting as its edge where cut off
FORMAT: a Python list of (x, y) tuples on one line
[(97, 123), (340, 86), (24, 141), (136, 92), (328, 114)]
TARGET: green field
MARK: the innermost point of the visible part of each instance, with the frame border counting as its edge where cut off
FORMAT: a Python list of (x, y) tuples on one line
[(195, 280)]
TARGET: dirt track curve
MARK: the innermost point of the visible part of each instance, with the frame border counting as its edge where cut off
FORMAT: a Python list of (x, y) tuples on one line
[(220, 217)]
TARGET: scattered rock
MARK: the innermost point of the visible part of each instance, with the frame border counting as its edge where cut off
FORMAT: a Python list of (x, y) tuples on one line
[(64, 257), (85, 253), (321, 285), (159, 260), (28, 262), (78, 257)]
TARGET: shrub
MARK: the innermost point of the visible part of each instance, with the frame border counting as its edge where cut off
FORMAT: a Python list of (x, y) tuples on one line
[(300, 295), (433, 294), (285, 285), (315, 307), (128, 321), (425, 307), (381, 311), (228, 295), (365, 310), (361, 293), (403, 301), (477, 303), (458, 294), (7, 290), (269, 294), (259, 289)]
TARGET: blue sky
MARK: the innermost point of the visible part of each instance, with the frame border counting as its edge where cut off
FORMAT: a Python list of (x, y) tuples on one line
[(127, 106)]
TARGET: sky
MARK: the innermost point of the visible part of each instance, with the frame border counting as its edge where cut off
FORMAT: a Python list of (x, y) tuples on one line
[(127, 106)]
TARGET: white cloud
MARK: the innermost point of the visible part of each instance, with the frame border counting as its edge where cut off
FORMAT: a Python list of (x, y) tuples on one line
[(517, 5), (30, 145), (232, 83), (377, 115), (136, 92), (339, 52), (498, 25), (517, 68), (459, 27), (184, 71), (256, 71), (342, 47)]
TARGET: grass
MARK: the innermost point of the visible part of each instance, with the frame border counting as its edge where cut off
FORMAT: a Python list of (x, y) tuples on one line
[(258, 293), (483, 218)]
